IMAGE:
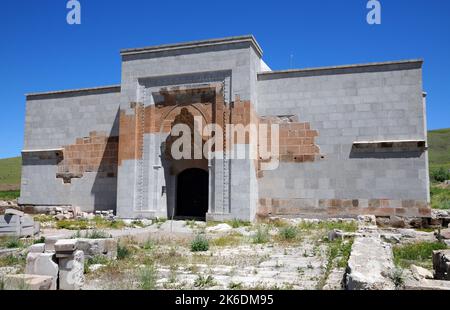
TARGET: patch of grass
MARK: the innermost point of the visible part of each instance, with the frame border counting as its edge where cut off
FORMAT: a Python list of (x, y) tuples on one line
[(123, 252), (159, 220), (9, 195), (73, 224), (192, 224), (419, 253), (147, 277), (42, 218), (200, 244), (12, 260), (288, 233), (202, 281), (13, 243), (344, 253), (10, 171), (149, 245), (347, 226), (91, 234), (98, 259), (338, 253), (397, 277), (439, 148), (102, 223), (439, 174), (262, 234), (227, 240), (235, 286), (236, 223), (440, 197), (279, 223), (39, 240)]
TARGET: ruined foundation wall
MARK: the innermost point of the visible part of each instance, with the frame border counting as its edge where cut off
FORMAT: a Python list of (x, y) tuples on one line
[(70, 149), (343, 106)]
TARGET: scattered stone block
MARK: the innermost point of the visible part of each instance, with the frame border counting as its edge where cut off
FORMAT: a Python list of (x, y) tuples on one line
[(66, 245), (397, 222), (441, 264), (445, 233), (14, 212), (71, 272), (370, 265), (428, 285), (44, 265), (367, 220), (95, 247), (421, 273), (219, 228), (28, 282), (37, 248), (18, 224)]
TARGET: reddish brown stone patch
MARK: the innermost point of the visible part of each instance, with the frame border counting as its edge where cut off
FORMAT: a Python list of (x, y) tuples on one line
[(96, 153)]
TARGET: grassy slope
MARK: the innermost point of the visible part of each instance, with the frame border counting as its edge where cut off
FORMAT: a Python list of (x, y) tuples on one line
[(439, 156), (10, 170), (439, 143)]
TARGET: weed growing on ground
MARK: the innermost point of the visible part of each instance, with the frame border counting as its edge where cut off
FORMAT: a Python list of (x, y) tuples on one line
[(338, 253), (12, 260), (202, 282), (288, 233), (200, 244), (236, 223), (13, 243), (347, 226), (39, 240), (123, 252), (91, 234), (397, 277), (96, 260), (9, 195), (261, 235), (227, 240), (235, 286), (149, 245), (147, 277)]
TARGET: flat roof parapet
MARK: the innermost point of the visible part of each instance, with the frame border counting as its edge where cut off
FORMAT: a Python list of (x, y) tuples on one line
[(79, 91), (194, 44), (344, 69)]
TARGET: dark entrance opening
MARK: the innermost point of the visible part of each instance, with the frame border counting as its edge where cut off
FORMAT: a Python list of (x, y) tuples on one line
[(192, 194)]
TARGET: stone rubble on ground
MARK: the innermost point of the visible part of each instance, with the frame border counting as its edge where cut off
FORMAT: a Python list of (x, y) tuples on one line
[(43, 264), (421, 273), (28, 282), (370, 265), (219, 228), (371, 260), (98, 247), (63, 261), (16, 223)]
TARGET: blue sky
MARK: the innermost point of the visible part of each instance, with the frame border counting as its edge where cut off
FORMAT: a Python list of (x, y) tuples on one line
[(41, 52)]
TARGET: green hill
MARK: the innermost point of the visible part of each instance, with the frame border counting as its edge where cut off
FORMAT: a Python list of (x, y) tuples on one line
[(10, 171), (439, 144)]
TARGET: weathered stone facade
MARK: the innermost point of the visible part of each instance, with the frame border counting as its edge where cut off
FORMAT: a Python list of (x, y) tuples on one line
[(352, 139)]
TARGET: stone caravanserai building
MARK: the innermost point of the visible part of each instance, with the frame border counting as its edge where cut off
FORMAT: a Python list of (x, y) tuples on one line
[(352, 139)]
